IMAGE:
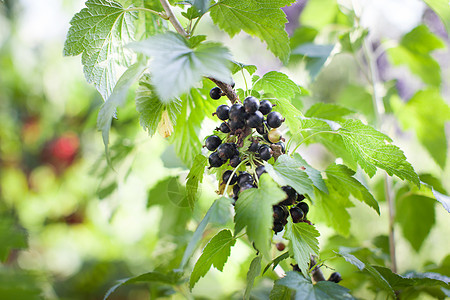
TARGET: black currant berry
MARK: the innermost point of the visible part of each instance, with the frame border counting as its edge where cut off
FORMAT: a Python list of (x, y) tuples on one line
[(236, 190), (251, 104), (291, 195), (300, 198), (237, 112), (226, 151), (277, 227), (212, 142), (260, 170), (215, 93), (244, 178), (236, 124), (263, 128), (226, 175), (296, 214), (274, 119), (304, 207), (224, 127), (264, 152), (255, 120), (245, 186), (253, 147), (283, 147), (214, 160), (279, 214), (222, 112), (235, 161), (265, 107), (335, 277)]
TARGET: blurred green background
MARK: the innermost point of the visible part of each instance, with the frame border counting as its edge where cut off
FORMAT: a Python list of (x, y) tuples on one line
[(70, 226)]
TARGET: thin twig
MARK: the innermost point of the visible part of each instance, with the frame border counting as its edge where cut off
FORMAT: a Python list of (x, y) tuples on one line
[(172, 19), (227, 89)]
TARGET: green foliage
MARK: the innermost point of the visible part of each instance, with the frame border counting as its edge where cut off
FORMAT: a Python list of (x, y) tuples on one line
[(11, 237), (215, 253), (303, 242), (258, 200), (251, 16), (175, 72), (305, 289), (253, 272), (195, 177), (442, 9), (99, 32)]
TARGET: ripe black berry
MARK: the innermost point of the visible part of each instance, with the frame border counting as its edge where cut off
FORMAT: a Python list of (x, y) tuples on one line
[(260, 170), (237, 112), (291, 195), (226, 175), (253, 147), (264, 152), (283, 147), (245, 186), (212, 142), (279, 214), (251, 104), (335, 277), (236, 190), (214, 160), (244, 178), (274, 119), (300, 198), (222, 112), (215, 93), (224, 127), (226, 151), (265, 107), (304, 207), (277, 227), (263, 128), (235, 161), (296, 214), (255, 120), (236, 124)]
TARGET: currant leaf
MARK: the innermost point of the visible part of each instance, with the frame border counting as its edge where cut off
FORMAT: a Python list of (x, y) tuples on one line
[(253, 272), (195, 177)]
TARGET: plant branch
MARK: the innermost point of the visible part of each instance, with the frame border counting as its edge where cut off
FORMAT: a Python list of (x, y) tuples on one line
[(227, 89), (160, 14), (172, 19)]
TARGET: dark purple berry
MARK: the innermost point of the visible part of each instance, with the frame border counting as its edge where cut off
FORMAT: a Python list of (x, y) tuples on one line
[(253, 147), (283, 147), (236, 190), (212, 142), (255, 120), (279, 214), (265, 107), (264, 152), (291, 195), (274, 119), (245, 186), (245, 178), (300, 198), (296, 214), (260, 170), (222, 112), (251, 104), (237, 112), (235, 161), (304, 207), (236, 124), (263, 128), (214, 160), (277, 227), (224, 127), (226, 175), (335, 277), (226, 151), (215, 93)]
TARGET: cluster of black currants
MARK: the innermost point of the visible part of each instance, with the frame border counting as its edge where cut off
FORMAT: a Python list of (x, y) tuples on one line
[(292, 205)]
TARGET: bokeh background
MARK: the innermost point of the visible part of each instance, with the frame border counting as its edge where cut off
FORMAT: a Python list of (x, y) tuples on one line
[(71, 226)]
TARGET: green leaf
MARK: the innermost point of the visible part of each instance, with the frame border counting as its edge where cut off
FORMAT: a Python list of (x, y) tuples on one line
[(252, 17), (253, 272), (215, 253), (315, 56), (11, 237), (280, 292), (444, 199), (258, 200), (416, 215), (426, 112), (352, 40), (176, 67), (17, 284), (171, 278), (290, 171), (415, 51), (221, 213), (151, 109), (321, 13), (195, 177), (117, 98), (276, 83), (372, 149), (302, 35), (428, 278), (442, 9), (359, 98), (276, 261), (341, 178), (328, 111), (305, 289), (201, 6), (237, 66), (313, 174), (379, 279), (99, 32), (303, 242), (332, 209)]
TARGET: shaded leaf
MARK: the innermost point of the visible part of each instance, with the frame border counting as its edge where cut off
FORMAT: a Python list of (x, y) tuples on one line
[(195, 177), (442, 9), (253, 272)]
